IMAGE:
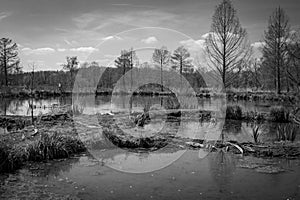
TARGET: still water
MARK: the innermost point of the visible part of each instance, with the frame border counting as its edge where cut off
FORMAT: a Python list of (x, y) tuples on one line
[(92, 104), (169, 173), (89, 104), (216, 176)]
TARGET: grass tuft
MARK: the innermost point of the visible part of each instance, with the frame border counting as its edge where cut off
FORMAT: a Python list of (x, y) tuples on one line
[(255, 133), (287, 132), (234, 112), (279, 114), (47, 147)]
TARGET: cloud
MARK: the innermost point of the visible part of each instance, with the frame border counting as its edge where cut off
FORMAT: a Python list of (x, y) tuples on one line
[(59, 63), (257, 48), (132, 5), (194, 45), (4, 15), (38, 51), (109, 56), (72, 42), (206, 35), (149, 40), (84, 49), (19, 45), (258, 45), (61, 49), (84, 20), (111, 38)]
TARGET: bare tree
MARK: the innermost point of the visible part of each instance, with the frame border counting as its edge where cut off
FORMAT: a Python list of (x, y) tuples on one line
[(8, 56), (71, 65), (227, 45), (161, 57), (123, 61), (181, 59), (293, 70), (274, 50)]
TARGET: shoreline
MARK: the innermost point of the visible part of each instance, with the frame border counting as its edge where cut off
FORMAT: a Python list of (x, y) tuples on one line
[(203, 93), (60, 139)]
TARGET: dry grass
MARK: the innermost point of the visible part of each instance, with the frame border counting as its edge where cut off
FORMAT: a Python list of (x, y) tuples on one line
[(47, 147), (287, 132)]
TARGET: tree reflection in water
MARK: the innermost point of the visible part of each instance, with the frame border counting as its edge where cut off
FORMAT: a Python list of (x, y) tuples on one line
[(222, 168)]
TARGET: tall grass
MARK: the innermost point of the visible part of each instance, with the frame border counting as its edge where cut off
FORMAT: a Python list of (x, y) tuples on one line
[(255, 133), (287, 132), (234, 112), (47, 147), (279, 114), (53, 146)]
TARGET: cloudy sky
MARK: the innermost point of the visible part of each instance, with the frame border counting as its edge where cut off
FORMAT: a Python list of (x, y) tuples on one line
[(49, 30)]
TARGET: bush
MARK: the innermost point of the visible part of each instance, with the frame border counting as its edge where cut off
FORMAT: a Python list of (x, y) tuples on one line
[(279, 114), (234, 112)]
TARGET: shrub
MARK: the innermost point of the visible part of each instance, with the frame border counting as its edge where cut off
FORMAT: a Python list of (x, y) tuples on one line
[(234, 112), (279, 114)]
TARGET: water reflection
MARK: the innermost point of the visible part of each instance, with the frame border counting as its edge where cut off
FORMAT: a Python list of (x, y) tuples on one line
[(233, 130), (222, 167), (217, 176), (139, 162)]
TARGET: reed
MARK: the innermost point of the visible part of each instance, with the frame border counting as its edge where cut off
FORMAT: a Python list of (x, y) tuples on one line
[(234, 112), (47, 147), (255, 133), (287, 132), (279, 114)]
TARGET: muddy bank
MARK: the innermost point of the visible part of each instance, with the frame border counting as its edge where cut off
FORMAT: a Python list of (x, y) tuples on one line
[(59, 136), (121, 139), (261, 96)]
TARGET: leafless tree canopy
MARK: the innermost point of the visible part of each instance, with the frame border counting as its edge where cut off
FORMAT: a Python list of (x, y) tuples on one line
[(275, 51), (181, 59), (161, 57), (8, 57), (293, 48), (227, 45)]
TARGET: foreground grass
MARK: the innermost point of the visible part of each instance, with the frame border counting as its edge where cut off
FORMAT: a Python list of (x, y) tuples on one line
[(51, 142)]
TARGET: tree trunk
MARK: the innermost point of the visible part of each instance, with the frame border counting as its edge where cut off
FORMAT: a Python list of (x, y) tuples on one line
[(279, 55), (161, 73), (5, 67)]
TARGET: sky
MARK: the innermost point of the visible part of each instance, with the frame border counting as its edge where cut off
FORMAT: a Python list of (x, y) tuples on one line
[(47, 31)]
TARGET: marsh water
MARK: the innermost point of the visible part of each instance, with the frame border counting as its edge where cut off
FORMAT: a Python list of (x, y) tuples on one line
[(91, 104), (217, 176), (169, 173)]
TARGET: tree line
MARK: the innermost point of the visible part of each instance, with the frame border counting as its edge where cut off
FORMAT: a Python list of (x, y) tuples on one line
[(228, 51), (230, 54)]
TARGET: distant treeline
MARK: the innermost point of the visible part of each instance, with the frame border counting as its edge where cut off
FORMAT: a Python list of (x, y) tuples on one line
[(63, 80)]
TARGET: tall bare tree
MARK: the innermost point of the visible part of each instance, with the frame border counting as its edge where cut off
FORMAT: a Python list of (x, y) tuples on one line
[(161, 57), (275, 51), (123, 61), (293, 70), (8, 56), (227, 45), (71, 65), (181, 59)]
